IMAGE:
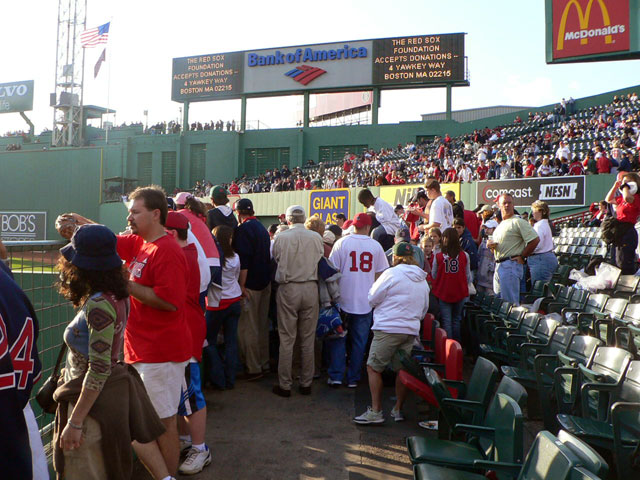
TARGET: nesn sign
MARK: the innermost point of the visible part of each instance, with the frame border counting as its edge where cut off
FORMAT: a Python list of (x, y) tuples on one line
[(305, 74)]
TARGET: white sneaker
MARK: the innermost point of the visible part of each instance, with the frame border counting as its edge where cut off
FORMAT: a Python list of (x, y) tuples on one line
[(352, 385), (369, 417), (334, 383), (397, 415), (185, 445), (195, 461)]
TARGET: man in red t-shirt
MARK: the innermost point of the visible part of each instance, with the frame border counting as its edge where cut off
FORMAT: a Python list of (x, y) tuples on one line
[(157, 338), (481, 171), (193, 407)]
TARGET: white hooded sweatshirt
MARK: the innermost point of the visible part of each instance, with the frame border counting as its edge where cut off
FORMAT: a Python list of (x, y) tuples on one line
[(400, 300)]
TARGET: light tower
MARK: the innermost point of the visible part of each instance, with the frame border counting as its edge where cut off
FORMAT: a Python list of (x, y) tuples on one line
[(68, 98)]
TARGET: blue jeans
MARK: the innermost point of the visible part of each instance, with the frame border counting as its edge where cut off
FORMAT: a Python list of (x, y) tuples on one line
[(626, 253), (542, 266), (222, 371), (335, 350), (506, 280), (359, 326), (451, 316)]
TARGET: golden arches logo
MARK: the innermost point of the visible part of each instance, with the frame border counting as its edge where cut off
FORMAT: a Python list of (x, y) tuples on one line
[(583, 18)]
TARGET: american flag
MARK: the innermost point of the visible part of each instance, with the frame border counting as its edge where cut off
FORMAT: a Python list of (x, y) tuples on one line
[(95, 36)]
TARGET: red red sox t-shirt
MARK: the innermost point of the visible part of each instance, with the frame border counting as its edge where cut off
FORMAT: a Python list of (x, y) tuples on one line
[(153, 335)]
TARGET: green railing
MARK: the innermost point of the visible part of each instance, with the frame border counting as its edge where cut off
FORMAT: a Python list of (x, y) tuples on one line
[(33, 266)]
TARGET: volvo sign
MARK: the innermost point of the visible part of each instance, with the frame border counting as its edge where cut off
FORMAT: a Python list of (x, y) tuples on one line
[(16, 96)]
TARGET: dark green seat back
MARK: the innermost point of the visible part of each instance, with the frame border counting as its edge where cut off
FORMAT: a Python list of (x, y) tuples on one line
[(578, 299), (596, 302), (529, 323), (564, 294), (630, 388), (632, 313), (505, 416), (561, 339), (514, 390), (515, 316), (580, 350), (589, 458), (615, 307), (548, 459), (482, 381), (544, 330)]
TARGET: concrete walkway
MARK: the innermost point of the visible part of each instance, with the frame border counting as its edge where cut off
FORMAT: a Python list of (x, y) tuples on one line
[(254, 434)]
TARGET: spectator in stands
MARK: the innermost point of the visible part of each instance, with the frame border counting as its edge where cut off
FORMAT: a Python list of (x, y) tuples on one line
[(543, 262), (384, 214), (361, 260), (402, 235), (400, 299), (252, 244), (435, 234), (340, 219), (486, 261), (513, 241), (93, 407), (221, 214), (225, 315), (624, 194), (599, 215), (467, 243), (603, 163), (416, 214), (441, 211), (193, 408), (297, 252), (451, 277)]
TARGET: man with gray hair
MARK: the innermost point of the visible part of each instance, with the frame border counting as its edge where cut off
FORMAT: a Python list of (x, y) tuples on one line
[(297, 252)]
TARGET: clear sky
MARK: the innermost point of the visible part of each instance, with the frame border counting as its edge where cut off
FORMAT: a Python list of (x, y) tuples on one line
[(505, 46)]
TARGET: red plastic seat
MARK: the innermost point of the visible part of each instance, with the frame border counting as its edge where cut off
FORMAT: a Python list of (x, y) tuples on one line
[(452, 361)]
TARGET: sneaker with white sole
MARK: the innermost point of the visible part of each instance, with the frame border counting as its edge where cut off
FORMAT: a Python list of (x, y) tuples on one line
[(185, 446), (397, 415), (369, 417), (334, 383), (195, 461), (352, 385)]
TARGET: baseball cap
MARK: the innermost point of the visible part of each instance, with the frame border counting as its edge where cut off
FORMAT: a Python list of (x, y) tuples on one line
[(402, 249), (328, 237), (295, 210), (93, 247), (491, 224), (176, 221), (404, 234), (486, 208), (347, 224), (361, 220), (181, 198), (244, 204), (218, 192)]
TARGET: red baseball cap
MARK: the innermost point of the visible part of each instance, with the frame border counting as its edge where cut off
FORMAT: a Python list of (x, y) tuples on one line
[(347, 224), (176, 221), (361, 220)]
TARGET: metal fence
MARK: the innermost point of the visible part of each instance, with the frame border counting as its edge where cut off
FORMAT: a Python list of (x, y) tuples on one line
[(33, 266)]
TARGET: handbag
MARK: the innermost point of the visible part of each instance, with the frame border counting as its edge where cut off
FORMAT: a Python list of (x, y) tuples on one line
[(44, 397)]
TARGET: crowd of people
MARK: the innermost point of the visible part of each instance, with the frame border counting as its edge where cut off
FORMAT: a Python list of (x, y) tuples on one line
[(564, 141), (186, 284)]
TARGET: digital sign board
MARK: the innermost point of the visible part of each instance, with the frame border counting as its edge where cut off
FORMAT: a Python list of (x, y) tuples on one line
[(16, 96), (590, 30), (401, 62), (419, 59)]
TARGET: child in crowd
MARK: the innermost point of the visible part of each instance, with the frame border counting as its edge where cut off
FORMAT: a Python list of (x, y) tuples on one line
[(427, 248), (436, 237)]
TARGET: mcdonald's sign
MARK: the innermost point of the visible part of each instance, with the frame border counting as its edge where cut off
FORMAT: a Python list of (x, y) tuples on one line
[(587, 27)]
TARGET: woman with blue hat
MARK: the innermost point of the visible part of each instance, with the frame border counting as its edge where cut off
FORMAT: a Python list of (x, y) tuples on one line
[(102, 404)]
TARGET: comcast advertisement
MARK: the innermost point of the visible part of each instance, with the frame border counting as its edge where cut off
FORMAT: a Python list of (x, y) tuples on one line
[(556, 191)]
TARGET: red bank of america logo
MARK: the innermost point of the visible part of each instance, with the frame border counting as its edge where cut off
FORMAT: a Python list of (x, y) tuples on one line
[(304, 74)]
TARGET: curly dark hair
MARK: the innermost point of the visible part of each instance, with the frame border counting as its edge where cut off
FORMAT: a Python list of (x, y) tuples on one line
[(77, 284)]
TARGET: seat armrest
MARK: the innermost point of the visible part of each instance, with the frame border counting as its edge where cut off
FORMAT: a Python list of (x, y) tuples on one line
[(475, 430)]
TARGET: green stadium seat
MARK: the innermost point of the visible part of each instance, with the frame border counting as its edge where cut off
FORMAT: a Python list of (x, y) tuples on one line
[(619, 430), (550, 458), (499, 438), (580, 351)]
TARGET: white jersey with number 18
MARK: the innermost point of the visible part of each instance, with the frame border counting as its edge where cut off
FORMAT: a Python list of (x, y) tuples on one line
[(358, 258)]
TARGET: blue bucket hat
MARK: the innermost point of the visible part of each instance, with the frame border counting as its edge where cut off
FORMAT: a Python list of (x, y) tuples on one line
[(93, 247)]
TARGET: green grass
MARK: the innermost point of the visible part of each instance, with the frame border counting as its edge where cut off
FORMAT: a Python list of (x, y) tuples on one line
[(27, 266)]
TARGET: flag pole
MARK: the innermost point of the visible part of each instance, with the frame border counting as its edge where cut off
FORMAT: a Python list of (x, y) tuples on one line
[(108, 85)]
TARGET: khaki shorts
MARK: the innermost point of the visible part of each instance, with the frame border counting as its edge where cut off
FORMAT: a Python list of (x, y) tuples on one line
[(384, 347), (163, 382)]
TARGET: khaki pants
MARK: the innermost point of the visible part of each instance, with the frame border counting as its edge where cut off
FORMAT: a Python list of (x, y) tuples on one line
[(297, 317), (253, 330)]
